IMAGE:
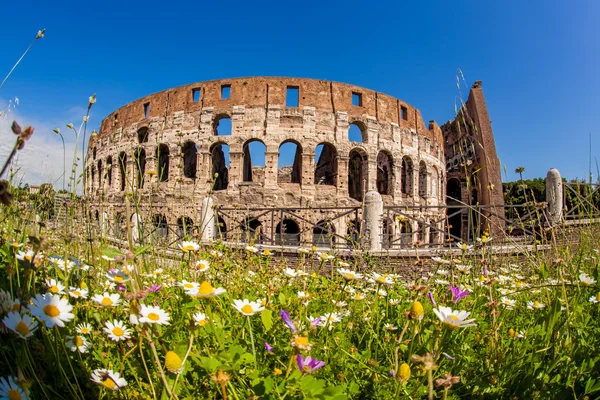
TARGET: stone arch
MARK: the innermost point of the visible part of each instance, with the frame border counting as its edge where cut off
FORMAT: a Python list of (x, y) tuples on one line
[(94, 153), (326, 164), (190, 159), (287, 233), (357, 132), (118, 230), (109, 168), (93, 173), (422, 179), (454, 201), (219, 153), (323, 234), (142, 135), (222, 125), (358, 169), (100, 174), (185, 227), (385, 173), (123, 169), (162, 159), (405, 232), (221, 228), (285, 174), (387, 233), (161, 227), (407, 176), (252, 172), (252, 230), (140, 166)]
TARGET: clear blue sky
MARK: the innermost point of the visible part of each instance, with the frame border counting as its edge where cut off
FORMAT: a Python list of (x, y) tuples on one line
[(539, 61)]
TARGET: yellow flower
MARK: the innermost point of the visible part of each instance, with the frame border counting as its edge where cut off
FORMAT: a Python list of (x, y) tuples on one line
[(404, 372), (277, 371), (173, 363), (511, 332), (416, 311)]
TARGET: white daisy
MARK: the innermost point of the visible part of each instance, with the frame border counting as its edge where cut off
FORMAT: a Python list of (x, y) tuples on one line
[(594, 299), (349, 275), (189, 285), (248, 308), (107, 300), (25, 255), (463, 268), (292, 273), (108, 378), (532, 305), (84, 328), (117, 277), (394, 302), (508, 303), (440, 260), (116, 330), (454, 318), (205, 290), (55, 287), (188, 246), (251, 249), (385, 278), (22, 326), (9, 389), (78, 343), (78, 293), (586, 280), (464, 246), (202, 265), (200, 319), (52, 310), (154, 315), (391, 327)]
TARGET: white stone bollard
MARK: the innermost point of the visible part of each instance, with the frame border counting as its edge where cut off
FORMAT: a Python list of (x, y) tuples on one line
[(373, 215), (554, 196), (208, 220)]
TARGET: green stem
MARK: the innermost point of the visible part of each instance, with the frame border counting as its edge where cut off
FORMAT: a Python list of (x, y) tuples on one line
[(252, 342)]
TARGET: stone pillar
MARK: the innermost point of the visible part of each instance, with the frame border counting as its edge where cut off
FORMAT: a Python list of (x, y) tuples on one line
[(372, 221), (554, 196), (271, 166), (236, 159), (308, 168), (342, 178), (208, 220)]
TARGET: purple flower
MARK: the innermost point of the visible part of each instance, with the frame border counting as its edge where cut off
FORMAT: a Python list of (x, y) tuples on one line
[(122, 287), (268, 347), (430, 296), (286, 318), (316, 321), (392, 373), (308, 364), (154, 288), (457, 294)]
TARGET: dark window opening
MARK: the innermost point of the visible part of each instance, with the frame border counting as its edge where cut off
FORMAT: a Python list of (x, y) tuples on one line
[(140, 164), (326, 162), (355, 134), (185, 227), (119, 229), (422, 179), (190, 159), (387, 234), (407, 176), (454, 198), (405, 233), (287, 233), (225, 91), (116, 118), (109, 168), (220, 166), (289, 163), (93, 176), (357, 99), (385, 171), (323, 234), (100, 174), (162, 156), (143, 135), (252, 231), (94, 153), (195, 95), (123, 169), (161, 228), (223, 126), (353, 232), (357, 174), (292, 94), (221, 228), (404, 113), (146, 109), (254, 161)]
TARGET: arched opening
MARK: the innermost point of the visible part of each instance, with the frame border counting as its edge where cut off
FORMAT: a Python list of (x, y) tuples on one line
[(220, 165), (254, 161), (407, 176), (357, 174), (123, 169), (185, 227), (353, 232), (406, 233), (140, 166), (162, 156), (422, 179), (323, 234), (287, 233), (100, 174), (356, 133), (434, 183), (142, 135), (252, 231), (222, 126), (93, 175), (109, 167), (290, 163), (326, 164), (190, 159), (161, 228), (387, 233), (94, 153), (119, 229), (453, 200), (221, 228), (385, 168)]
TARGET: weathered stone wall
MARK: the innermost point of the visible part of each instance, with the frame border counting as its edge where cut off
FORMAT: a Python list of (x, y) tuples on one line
[(171, 120)]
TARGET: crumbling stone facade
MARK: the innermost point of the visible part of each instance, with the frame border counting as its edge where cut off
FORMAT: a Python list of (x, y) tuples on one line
[(168, 151)]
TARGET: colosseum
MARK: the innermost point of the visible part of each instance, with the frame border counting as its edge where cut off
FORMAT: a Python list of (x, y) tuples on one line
[(281, 161)]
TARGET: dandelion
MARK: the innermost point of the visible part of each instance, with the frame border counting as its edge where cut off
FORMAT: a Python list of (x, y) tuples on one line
[(186, 247), (454, 319), (108, 378), (107, 300), (202, 265), (266, 252), (533, 305), (154, 315), (308, 364), (205, 290), (116, 330), (9, 389), (416, 311), (77, 343), (52, 310), (349, 275), (586, 280), (84, 329), (22, 326), (200, 319), (248, 308), (173, 362)]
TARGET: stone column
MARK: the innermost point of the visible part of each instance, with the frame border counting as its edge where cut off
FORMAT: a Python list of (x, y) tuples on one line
[(308, 168), (236, 168), (372, 221), (554, 196), (207, 220), (271, 166), (342, 178)]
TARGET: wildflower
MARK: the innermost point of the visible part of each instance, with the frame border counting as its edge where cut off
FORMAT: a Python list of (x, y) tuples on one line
[(463, 268), (586, 280), (22, 326), (391, 327), (9, 389), (107, 300), (107, 258), (173, 362), (404, 372), (340, 303), (92, 99), (84, 328), (77, 293), (442, 271), (416, 311), (384, 279), (266, 252), (251, 249), (464, 246), (440, 260), (52, 310), (308, 364), (153, 288), (291, 272), (277, 371), (484, 239), (77, 343), (457, 294), (594, 299), (189, 285), (381, 293), (118, 277), (154, 315), (15, 244), (287, 320), (301, 342), (25, 255), (200, 319), (186, 247), (248, 308), (427, 361), (508, 303), (202, 265), (454, 319), (358, 296), (448, 381), (220, 377), (532, 305), (55, 287), (86, 119), (268, 347), (108, 378), (205, 290), (394, 302), (431, 299), (349, 275), (303, 295), (116, 330)]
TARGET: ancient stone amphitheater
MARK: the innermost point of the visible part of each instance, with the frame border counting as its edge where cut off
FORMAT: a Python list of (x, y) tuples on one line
[(180, 162)]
